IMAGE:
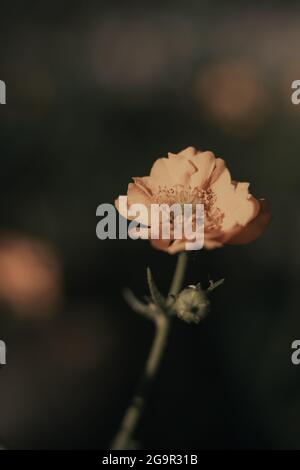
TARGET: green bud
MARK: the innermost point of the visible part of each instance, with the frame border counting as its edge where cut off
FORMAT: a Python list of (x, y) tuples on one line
[(191, 304)]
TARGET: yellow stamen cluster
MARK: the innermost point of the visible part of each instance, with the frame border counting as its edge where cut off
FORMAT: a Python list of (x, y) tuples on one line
[(180, 194)]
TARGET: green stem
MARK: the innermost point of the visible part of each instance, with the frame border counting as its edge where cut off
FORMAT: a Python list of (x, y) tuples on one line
[(124, 437), (179, 274)]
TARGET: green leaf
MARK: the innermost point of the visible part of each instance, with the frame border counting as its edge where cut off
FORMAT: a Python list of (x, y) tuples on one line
[(214, 285), (156, 296)]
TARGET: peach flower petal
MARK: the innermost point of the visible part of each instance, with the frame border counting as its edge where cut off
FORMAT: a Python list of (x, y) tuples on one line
[(170, 172), (187, 153), (135, 195), (234, 201), (211, 244), (161, 244), (176, 247), (205, 163), (256, 227), (222, 182), (218, 170), (144, 184)]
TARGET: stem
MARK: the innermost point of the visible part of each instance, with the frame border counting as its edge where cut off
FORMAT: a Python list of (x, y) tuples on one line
[(124, 438), (179, 274)]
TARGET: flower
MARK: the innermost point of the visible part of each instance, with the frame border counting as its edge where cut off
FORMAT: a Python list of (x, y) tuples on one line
[(231, 214)]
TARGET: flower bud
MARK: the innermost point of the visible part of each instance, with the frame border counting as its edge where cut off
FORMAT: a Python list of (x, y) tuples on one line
[(191, 304)]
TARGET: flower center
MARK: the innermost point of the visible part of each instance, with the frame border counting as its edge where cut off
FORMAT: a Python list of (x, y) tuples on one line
[(180, 194)]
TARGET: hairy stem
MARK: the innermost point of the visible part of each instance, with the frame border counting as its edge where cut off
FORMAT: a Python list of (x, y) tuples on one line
[(125, 436), (179, 274)]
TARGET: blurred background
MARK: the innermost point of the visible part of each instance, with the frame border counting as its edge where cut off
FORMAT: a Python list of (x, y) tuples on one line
[(95, 92)]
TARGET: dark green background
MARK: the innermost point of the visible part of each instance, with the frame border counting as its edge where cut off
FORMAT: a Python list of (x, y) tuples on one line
[(95, 92)]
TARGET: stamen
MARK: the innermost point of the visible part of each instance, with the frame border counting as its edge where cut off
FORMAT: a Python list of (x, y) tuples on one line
[(180, 194)]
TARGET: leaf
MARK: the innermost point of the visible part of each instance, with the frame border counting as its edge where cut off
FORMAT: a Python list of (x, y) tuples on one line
[(213, 285), (136, 304), (157, 297)]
